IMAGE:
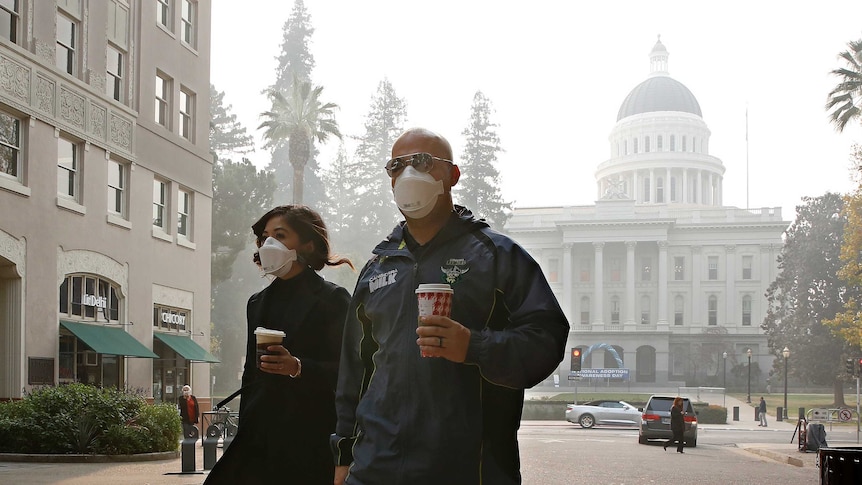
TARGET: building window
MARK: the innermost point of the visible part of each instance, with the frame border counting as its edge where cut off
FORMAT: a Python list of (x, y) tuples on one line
[(694, 144), (187, 106), (683, 143), (188, 22), (673, 143), (635, 145), (585, 270), (746, 310), (658, 143), (645, 307), (171, 319), (713, 310), (659, 190), (585, 311), (114, 84), (713, 267), (184, 214), (163, 14), (89, 298), (163, 90), (673, 189), (9, 20), (615, 264), (678, 309), (553, 270), (615, 310), (160, 190), (10, 146), (646, 189), (67, 168), (646, 269), (117, 173), (746, 267), (678, 268), (67, 31), (646, 144), (625, 147)]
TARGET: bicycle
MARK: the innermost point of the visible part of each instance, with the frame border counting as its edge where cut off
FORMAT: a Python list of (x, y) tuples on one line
[(224, 424)]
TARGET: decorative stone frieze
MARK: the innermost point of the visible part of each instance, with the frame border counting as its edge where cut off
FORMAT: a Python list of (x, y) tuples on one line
[(121, 132), (44, 101), (85, 261), (71, 107), (13, 249), (46, 50), (97, 121), (14, 79)]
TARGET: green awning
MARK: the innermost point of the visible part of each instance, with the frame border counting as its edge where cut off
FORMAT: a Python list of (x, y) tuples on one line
[(186, 347), (108, 340)]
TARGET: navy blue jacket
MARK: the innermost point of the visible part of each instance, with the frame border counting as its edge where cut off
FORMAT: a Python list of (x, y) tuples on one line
[(406, 419)]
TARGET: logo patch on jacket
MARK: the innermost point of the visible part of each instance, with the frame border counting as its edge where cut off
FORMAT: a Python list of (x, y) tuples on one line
[(381, 280), (453, 270)]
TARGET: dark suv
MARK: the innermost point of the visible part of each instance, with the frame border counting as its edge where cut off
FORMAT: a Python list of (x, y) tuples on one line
[(655, 421)]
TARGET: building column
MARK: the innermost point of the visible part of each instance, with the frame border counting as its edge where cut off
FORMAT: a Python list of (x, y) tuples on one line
[(731, 317), (699, 185), (630, 282), (696, 297), (667, 186), (711, 190), (567, 280), (635, 189), (685, 194), (652, 186), (662, 282), (598, 284)]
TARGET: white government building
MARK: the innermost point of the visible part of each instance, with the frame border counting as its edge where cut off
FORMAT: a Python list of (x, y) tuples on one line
[(659, 277)]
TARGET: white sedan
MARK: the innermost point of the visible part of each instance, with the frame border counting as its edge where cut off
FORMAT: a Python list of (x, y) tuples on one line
[(602, 412)]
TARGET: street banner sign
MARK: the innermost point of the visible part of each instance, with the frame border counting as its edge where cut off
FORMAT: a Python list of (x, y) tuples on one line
[(602, 373)]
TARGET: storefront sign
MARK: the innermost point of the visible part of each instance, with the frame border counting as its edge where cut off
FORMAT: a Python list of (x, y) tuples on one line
[(174, 318), (93, 300)]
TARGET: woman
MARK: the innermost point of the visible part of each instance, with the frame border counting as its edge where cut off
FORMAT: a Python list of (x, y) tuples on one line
[(287, 412), (189, 412), (677, 425)]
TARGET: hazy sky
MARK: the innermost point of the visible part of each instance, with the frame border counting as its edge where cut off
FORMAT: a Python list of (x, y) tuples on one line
[(557, 72)]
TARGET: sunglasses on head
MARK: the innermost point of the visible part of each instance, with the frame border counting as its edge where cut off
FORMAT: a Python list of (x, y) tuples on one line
[(422, 162)]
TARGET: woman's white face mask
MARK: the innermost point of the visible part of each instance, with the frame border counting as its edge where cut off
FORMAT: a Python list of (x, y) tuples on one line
[(416, 192), (275, 258)]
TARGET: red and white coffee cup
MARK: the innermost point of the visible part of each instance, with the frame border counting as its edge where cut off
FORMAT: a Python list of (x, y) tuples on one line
[(434, 299)]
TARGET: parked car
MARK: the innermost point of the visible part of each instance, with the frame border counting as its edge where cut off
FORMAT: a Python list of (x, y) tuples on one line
[(655, 421), (603, 412)]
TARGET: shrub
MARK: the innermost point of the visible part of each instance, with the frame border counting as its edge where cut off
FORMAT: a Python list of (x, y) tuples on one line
[(711, 414), (78, 418)]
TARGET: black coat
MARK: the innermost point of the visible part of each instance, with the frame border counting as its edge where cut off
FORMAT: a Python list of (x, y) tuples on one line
[(285, 423), (677, 421), (184, 410)]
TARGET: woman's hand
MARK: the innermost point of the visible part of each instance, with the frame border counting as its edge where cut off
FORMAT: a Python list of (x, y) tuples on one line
[(279, 361), (340, 475)]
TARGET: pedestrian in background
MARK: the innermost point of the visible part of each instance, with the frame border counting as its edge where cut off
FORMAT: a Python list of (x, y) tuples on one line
[(287, 412), (189, 412), (761, 412), (677, 425)]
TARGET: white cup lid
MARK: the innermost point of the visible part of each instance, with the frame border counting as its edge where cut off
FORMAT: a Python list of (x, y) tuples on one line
[(268, 331), (434, 288)]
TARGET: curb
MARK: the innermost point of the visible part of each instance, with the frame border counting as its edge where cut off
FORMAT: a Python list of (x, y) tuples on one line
[(59, 458), (779, 457)]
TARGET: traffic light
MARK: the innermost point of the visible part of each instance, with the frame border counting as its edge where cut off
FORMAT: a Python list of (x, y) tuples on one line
[(858, 367), (576, 359), (850, 366)]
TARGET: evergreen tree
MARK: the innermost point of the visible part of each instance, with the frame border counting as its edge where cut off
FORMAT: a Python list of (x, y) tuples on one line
[(808, 292), (479, 186), (227, 135), (372, 213), (845, 100), (341, 191), (295, 62)]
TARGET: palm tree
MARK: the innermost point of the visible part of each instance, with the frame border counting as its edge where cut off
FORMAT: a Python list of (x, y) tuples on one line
[(299, 119), (845, 101)]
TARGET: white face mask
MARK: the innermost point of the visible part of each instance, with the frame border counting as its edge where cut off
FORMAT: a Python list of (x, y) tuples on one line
[(416, 192), (275, 258)]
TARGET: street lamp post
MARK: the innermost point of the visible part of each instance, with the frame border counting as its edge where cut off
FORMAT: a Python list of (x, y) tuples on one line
[(786, 354), (724, 372), (748, 400)]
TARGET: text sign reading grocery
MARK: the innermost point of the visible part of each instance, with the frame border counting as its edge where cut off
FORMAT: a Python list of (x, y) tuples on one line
[(603, 373)]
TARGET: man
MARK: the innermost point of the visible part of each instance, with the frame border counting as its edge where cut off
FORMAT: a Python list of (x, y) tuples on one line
[(761, 412), (189, 412), (444, 407)]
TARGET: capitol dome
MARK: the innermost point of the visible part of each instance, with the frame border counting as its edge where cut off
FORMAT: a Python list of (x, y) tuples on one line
[(659, 92)]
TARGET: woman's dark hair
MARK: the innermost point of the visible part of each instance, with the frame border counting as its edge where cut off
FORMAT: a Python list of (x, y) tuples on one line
[(309, 226)]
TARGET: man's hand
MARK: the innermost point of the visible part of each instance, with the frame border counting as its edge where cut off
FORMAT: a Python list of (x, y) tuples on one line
[(443, 337), (279, 361), (340, 475)]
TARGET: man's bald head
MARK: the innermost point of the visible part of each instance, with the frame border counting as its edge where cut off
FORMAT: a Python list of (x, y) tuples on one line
[(434, 143)]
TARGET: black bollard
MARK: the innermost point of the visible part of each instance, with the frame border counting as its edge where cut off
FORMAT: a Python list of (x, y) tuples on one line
[(736, 413), (187, 449), (757, 414), (210, 444), (780, 415)]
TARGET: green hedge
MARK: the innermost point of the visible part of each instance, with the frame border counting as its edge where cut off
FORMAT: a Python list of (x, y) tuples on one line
[(78, 418), (710, 414)]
